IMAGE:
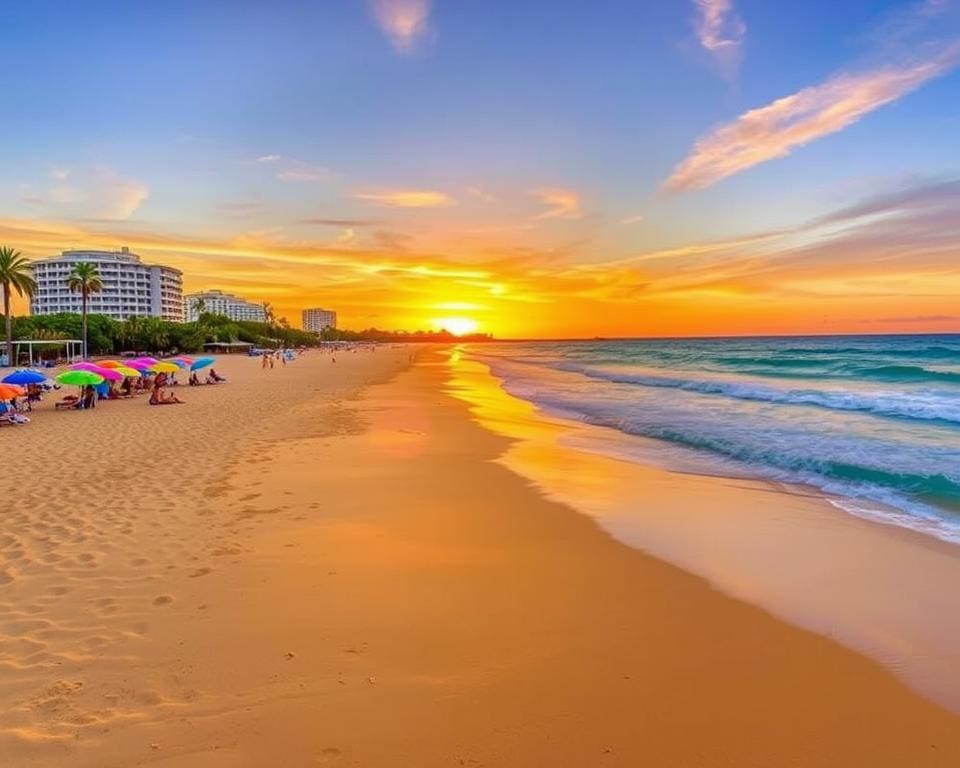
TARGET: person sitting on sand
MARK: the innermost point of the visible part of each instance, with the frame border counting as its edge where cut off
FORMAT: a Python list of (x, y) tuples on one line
[(216, 376), (88, 398), (157, 397), (194, 380)]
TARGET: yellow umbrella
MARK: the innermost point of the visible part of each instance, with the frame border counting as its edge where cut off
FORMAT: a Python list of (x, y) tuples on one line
[(164, 368), (130, 373)]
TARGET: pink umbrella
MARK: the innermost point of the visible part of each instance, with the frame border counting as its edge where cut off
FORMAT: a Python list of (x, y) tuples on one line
[(108, 373), (138, 365), (147, 360)]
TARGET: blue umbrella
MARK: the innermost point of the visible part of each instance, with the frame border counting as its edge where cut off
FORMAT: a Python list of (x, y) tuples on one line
[(24, 377), (202, 362)]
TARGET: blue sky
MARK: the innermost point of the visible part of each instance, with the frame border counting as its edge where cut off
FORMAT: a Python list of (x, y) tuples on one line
[(529, 141)]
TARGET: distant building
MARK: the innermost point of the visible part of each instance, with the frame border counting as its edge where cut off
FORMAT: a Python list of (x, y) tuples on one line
[(316, 320), (220, 303), (130, 287)]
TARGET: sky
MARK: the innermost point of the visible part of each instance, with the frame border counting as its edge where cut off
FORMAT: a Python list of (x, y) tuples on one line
[(545, 168)]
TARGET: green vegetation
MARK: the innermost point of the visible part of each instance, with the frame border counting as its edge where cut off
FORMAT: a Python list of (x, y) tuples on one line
[(15, 273), (84, 279), (150, 334)]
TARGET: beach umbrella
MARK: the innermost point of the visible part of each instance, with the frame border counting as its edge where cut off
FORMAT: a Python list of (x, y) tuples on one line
[(138, 365), (107, 373), (203, 362), (164, 368), (130, 373), (177, 362), (147, 360), (10, 391), (111, 364), (79, 378), (181, 359), (24, 377)]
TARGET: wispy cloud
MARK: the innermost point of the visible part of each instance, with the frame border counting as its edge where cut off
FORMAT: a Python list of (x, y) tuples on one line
[(304, 172), (404, 22), (721, 33), (97, 193), (777, 129), (268, 158), (482, 195), (635, 219), (561, 202), (910, 47), (407, 198), (343, 223)]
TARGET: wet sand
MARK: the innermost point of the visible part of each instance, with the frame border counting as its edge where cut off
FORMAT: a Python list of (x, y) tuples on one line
[(306, 567)]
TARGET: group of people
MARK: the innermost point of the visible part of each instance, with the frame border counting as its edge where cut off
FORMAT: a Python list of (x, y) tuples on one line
[(270, 357), (212, 378)]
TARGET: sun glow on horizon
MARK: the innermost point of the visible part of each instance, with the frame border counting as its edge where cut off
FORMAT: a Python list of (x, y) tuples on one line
[(458, 326)]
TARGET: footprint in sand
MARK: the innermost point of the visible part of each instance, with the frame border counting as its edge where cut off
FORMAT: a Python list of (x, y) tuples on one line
[(160, 600), (200, 572)]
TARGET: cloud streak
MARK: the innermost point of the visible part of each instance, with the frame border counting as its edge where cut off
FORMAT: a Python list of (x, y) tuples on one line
[(407, 198), (774, 131), (301, 172), (721, 33), (562, 203), (404, 22), (98, 193)]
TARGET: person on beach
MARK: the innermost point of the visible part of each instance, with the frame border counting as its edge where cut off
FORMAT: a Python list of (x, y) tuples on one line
[(88, 398), (157, 397), (216, 377), (264, 363), (194, 379)]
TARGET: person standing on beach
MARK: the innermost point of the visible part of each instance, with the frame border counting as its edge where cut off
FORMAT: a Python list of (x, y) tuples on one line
[(264, 365)]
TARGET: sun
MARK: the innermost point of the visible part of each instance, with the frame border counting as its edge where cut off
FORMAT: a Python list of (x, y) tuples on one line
[(458, 326)]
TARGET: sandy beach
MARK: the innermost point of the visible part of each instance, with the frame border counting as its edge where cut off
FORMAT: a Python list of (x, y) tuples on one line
[(335, 564)]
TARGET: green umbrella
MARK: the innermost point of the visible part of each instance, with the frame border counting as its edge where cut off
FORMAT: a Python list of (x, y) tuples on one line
[(80, 378)]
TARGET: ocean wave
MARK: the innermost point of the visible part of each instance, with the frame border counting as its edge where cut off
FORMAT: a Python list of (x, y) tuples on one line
[(918, 405)]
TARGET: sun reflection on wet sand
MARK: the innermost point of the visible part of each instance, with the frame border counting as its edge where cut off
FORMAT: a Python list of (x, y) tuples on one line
[(880, 590)]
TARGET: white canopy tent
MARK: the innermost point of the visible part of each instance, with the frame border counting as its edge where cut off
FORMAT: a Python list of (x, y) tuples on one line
[(74, 348)]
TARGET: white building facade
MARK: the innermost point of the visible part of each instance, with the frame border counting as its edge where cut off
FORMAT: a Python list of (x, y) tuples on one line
[(220, 303), (130, 287), (316, 320)]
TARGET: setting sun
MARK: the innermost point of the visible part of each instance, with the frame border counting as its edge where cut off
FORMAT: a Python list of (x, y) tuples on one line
[(458, 326)]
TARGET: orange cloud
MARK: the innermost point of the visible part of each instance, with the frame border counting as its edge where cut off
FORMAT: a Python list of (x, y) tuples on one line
[(408, 198), (777, 129), (404, 22), (561, 203), (890, 256)]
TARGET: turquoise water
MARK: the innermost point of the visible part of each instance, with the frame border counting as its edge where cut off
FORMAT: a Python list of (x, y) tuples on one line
[(874, 421)]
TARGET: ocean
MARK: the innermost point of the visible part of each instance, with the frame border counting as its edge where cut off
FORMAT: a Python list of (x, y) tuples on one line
[(872, 421)]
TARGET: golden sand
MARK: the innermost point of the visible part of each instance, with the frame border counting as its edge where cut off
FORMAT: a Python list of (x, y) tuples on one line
[(304, 567)]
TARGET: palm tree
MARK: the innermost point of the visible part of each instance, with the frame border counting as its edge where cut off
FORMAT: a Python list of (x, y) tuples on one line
[(199, 306), (15, 273), (268, 314), (85, 279)]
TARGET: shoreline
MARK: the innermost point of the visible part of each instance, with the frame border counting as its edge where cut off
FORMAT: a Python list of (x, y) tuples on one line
[(356, 580), (786, 548)]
